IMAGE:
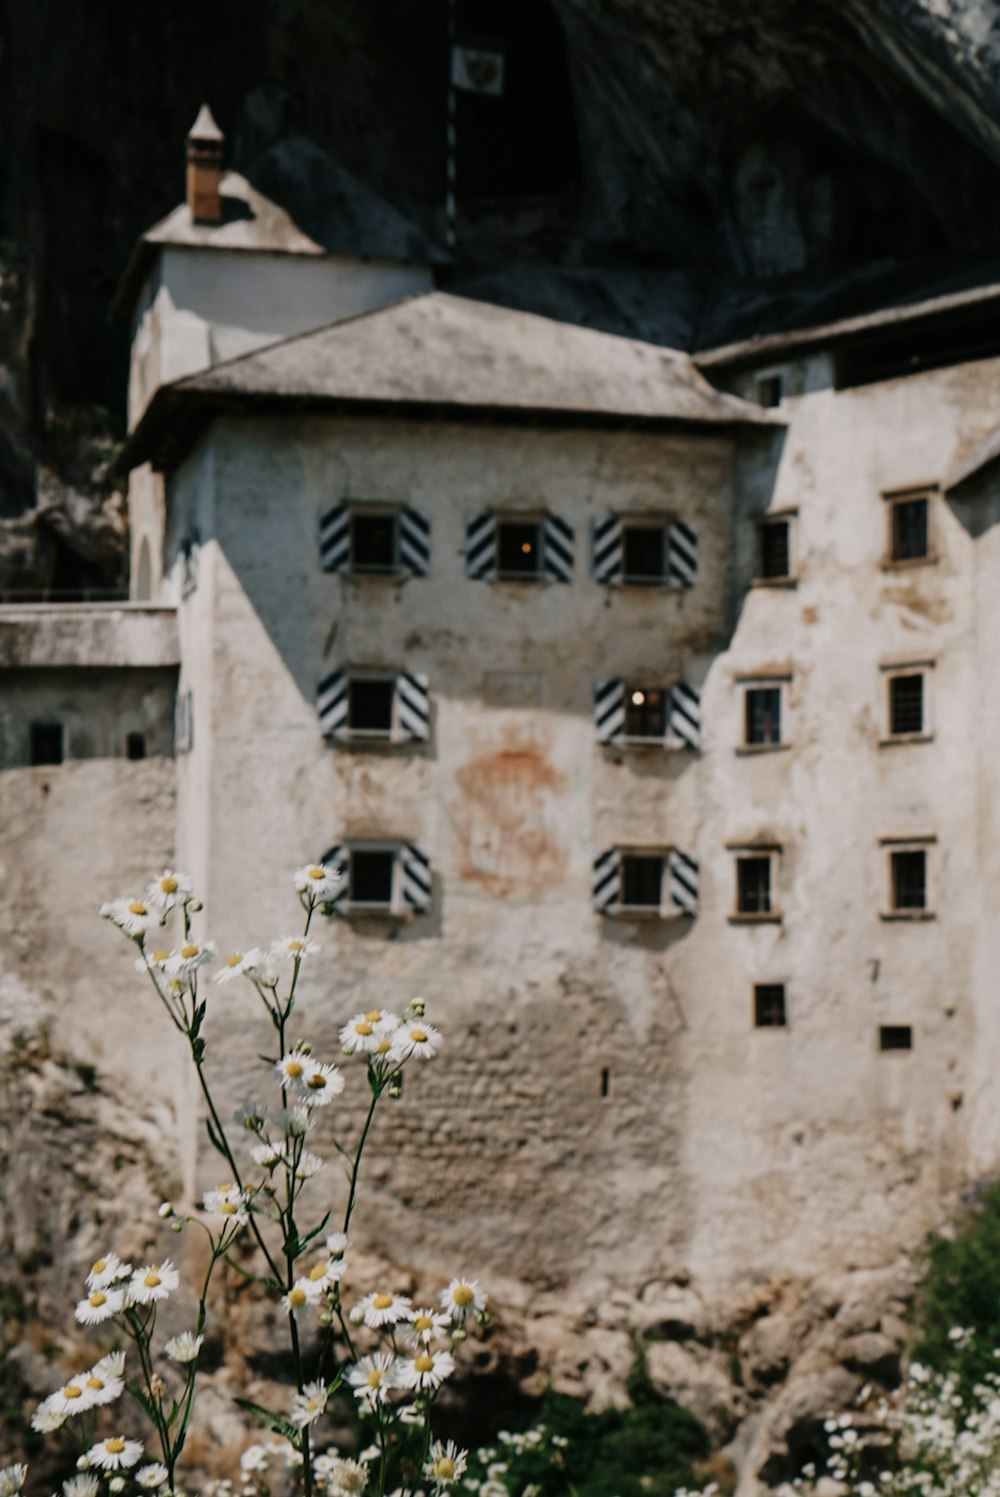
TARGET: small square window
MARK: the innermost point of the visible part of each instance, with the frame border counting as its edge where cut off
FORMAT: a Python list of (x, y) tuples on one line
[(370, 705), (47, 743), (774, 562), (909, 529), (908, 879), (895, 1037), (769, 1006), (371, 877), (753, 885), (642, 881), (770, 390), (906, 704), (644, 552), (373, 542), (646, 712), (519, 549), (135, 745), (762, 725)]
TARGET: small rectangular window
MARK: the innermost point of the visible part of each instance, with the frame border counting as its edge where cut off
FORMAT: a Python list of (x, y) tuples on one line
[(373, 542), (370, 705), (770, 390), (906, 704), (753, 885), (762, 725), (519, 549), (135, 745), (774, 550), (642, 881), (644, 552), (909, 879), (371, 876), (769, 1005), (645, 712), (895, 1037), (46, 743), (909, 529)]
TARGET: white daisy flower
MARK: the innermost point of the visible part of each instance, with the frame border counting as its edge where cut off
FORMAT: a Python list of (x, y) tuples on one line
[(134, 916), (99, 1305), (236, 965), (154, 1282), (293, 948), (156, 959), (317, 881), (427, 1369), (81, 1485), (384, 1309), (349, 1478), (267, 1154), (300, 1297), (184, 1347), (45, 1419), (308, 1405), (168, 890), (373, 1378), (152, 1476), (336, 1244), (295, 1068), (72, 1398), (309, 1165), (326, 1271), (417, 1038), (427, 1325), (293, 1121), (12, 1479), (363, 1034), (110, 1366), (107, 1270), (445, 1463), (251, 1115), (183, 964), (228, 1204), (463, 1297), (261, 967), (115, 1454), (321, 1085), (254, 1458), (104, 1383)]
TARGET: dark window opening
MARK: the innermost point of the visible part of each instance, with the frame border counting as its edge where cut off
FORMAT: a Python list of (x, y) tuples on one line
[(895, 1037), (906, 704), (47, 743), (373, 543), (371, 877), (770, 390), (753, 886), (774, 562), (644, 553), (642, 881), (763, 715), (909, 529), (909, 880), (645, 712), (605, 1082), (769, 1005), (519, 548), (135, 745), (931, 343), (369, 706)]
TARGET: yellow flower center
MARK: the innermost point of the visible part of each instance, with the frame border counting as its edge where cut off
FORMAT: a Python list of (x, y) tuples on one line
[(444, 1468), (95, 1382), (384, 1045), (381, 1301), (235, 959), (97, 1299), (115, 1446), (72, 1391), (168, 885), (137, 908), (152, 1280), (418, 1036), (424, 1363), (225, 1189), (160, 956), (463, 1295), (187, 952), (363, 1028), (296, 945), (317, 1272), (296, 1298), (228, 1208), (294, 1069), (373, 1015), (317, 873), (424, 1323), (99, 1266), (317, 1082), (375, 1378)]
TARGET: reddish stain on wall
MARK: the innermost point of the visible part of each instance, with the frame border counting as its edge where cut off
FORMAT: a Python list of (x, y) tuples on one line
[(508, 820)]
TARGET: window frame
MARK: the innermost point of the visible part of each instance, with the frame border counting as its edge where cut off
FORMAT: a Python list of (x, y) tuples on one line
[(652, 524), (759, 989), (885, 1030), (535, 519), (771, 521), (396, 906), (891, 848), (894, 499), (352, 734), (893, 671), (646, 740), (368, 511), (763, 851), (48, 725), (775, 680)]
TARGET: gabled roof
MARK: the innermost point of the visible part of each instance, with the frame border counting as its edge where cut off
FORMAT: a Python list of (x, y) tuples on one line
[(984, 457), (442, 352)]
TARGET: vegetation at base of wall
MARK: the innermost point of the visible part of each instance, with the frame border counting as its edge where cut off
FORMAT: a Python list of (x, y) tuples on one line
[(962, 1289)]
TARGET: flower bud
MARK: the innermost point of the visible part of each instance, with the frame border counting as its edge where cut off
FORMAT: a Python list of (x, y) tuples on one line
[(117, 1484), (157, 1387), (166, 1211), (83, 1463), (177, 1226), (418, 1008), (195, 906), (458, 1335)]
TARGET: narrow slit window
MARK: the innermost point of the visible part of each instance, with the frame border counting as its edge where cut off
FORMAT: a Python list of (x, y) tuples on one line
[(753, 885), (762, 726), (642, 881), (769, 1006), (645, 712), (135, 745), (47, 743), (770, 390), (909, 879), (519, 549), (895, 1037), (906, 704), (644, 553), (774, 562), (370, 706), (373, 542), (371, 877), (909, 529)]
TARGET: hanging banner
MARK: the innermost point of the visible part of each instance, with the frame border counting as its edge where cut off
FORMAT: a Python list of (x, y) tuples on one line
[(477, 67)]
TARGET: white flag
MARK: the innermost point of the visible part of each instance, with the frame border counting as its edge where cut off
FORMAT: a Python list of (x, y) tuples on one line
[(478, 69)]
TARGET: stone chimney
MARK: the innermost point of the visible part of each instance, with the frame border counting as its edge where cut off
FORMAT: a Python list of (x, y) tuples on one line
[(204, 168)]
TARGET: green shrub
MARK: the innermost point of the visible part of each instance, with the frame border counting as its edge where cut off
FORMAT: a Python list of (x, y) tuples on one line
[(962, 1289)]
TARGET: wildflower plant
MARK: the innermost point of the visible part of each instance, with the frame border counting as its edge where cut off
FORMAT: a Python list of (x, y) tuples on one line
[(387, 1354)]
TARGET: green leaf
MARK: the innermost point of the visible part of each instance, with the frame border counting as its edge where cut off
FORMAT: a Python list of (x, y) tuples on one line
[(311, 1236), (214, 1139), (142, 1397), (271, 1421)]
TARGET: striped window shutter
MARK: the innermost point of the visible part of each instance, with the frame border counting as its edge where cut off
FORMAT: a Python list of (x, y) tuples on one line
[(684, 722), (332, 702), (416, 870), (413, 705), (606, 564), (557, 549), (607, 885), (338, 860), (335, 538), (481, 547), (682, 555), (609, 710), (682, 881), (414, 541)]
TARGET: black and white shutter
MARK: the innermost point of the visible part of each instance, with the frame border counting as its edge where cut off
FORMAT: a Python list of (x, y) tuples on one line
[(332, 700), (606, 555), (335, 538), (414, 541), (557, 549), (684, 721), (682, 881), (415, 866), (481, 547), (682, 554), (413, 708), (338, 860), (607, 884), (609, 710)]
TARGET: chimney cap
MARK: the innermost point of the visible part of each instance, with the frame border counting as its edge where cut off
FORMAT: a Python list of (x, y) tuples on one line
[(205, 128)]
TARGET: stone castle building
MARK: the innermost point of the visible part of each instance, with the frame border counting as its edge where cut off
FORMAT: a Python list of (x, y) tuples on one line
[(647, 703)]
